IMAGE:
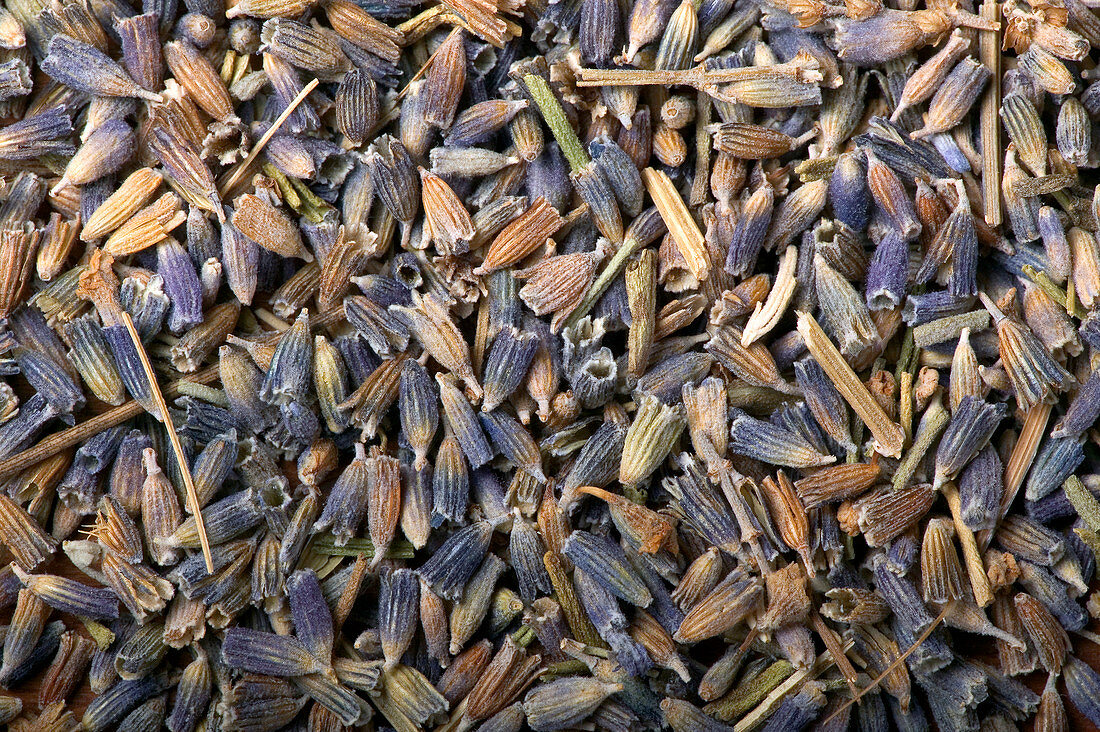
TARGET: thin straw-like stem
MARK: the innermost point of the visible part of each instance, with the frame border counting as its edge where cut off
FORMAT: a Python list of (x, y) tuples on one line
[(989, 51), (835, 647), (55, 443), (427, 65), (1062, 297), (681, 226), (639, 77), (890, 669), (351, 592), (700, 184), (174, 438), (556, 120), (1086, 505), (258, 148), (774, 699)]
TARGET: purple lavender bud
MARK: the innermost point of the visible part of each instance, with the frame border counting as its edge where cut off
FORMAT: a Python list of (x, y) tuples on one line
[(394, 177), (548, 177), (1083, 411), (141, 49), (798, 710), (527, 550), (1056, 461), (971, 426), (911, 619), (506, 364), (848, 193), (774, 444), (824, 401), (464, 421), (20, 430), (382, 329), (47, 133), (357, 357), (110, 707), (750, 231), (981, 486), (621, 173), (450, 484), (346, 505), (1041, 584), (925, 308), (696, 502), (70, 596), (85, 68), (398, 613), (597, 462), (1083, 686), (953, 695), (600, 32), (181, 284), (451, 566), (649, 567), (514, 442), (267, 653), (312, 618), (666, 379), (51, 381), (603, 610), (605, 562)]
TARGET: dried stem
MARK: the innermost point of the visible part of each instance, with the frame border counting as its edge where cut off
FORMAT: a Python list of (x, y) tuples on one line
[(889, 437), (772, 701), (700, 184), (55, 443), (1024, 452), (767, 315), (908, 355), (905, 406), (949, 328), (989, 51), (890, 669), (695, 76), (324, 320), (1086, 505), (933, 422), (427, 64), (351, 592), (1064, 298), (556, 120), (174, 438), (836, 649), (614, 268), (258, 148), (418, 26), (1088, 635)]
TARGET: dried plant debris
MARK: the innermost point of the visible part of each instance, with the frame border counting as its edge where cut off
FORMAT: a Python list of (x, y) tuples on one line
[(550, 365)]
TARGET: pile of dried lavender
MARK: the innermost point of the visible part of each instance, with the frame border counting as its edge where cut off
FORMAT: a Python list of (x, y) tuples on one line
[(549, 365)]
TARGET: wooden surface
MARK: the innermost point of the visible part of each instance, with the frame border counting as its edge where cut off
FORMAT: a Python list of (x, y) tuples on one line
[(28, 692)]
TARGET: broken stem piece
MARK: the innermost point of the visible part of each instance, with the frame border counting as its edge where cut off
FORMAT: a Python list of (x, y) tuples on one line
[(556, 120), (889, 437)]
